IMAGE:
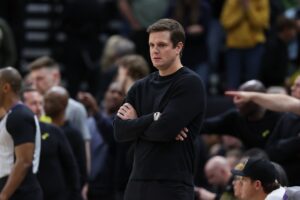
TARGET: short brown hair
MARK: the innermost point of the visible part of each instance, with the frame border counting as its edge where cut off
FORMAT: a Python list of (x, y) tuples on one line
[(43, 62), (177, 32), (137, 66)]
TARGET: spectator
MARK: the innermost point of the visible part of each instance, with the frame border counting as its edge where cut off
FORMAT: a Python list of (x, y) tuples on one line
[(259, 181), (139, 15), (217, 171), (245, 31), (131, 68), (249, 122), (56, 100), (195, 16), (103, 183), (275, 61), (115, 48), (283, 145), (44, 74), (58, 172)]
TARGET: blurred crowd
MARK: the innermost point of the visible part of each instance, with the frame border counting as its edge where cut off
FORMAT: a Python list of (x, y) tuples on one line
[(80, 58)]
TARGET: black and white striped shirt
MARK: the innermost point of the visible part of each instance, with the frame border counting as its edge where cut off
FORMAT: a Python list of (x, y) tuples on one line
[(17, 127)]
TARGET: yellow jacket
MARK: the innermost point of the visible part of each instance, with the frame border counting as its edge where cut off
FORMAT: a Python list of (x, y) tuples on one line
[(245, 27)]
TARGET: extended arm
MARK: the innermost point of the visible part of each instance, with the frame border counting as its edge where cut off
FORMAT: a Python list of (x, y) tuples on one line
[(275, 102), (24, 157), (220, 124), (126, 10)]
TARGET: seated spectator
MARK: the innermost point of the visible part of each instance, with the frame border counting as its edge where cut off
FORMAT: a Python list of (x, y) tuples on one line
[(217, 171), (249, 122), (283, 146), (259, 180)]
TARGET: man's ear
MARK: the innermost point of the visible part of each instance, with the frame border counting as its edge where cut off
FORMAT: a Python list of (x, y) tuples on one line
[(257, 185), (6, 88), (56, 77), (179, 47)]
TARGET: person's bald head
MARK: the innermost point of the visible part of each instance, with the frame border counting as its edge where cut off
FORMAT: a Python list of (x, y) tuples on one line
[(253, 86), (250, 108), (56, 101), (217, 171), (12, 78)]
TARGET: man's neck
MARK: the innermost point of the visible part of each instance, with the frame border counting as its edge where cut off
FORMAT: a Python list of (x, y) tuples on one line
[(258, 115), (58, 120), (11, 102), (172, 69)]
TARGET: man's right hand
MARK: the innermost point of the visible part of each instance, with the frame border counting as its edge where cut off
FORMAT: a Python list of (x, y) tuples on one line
[(182, 135), (88, 101), (239, 96)]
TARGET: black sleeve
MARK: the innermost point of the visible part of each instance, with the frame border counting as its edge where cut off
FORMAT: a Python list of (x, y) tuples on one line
[(128, 130), (104, 124), (281, 149), (21, 125), (186, 103), (69, 165), (221, 124), (78, 148)]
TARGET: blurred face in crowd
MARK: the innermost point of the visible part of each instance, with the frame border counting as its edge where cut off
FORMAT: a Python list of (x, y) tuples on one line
[(215, 175), (162, 52), (34, 100), (246, 109), (237, 187), (42, 79), (114, 97), (250, 189), (295, 89), (289, 34)]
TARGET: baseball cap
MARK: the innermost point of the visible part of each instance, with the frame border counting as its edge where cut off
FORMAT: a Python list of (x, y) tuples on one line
[(257, 169)]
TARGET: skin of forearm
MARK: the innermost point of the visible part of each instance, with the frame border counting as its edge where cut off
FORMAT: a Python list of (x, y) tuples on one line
[(277, 102), (16, 177), (88, 156)]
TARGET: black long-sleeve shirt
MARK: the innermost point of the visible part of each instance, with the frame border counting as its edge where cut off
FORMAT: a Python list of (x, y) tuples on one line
[(283, 146), (251, 133), (58, 172), (77, 144), (180, 98)]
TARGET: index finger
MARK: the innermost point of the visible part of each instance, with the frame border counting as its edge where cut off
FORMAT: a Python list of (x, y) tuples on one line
[(232, 93)]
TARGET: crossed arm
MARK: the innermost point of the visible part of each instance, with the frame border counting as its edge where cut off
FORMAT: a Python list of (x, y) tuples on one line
[(127, 112), (274, 102)]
